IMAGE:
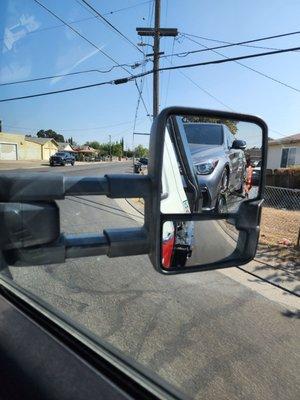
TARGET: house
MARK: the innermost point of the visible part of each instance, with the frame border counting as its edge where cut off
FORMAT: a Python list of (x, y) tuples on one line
[(64, 146), (20, 147), (85, 151), (284, 152), (48, 146)]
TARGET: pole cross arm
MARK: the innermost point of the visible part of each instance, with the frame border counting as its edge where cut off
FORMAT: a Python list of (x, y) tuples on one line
[(161, 31)]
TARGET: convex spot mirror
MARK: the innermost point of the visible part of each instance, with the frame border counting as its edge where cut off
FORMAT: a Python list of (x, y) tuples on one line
[(210, 167)]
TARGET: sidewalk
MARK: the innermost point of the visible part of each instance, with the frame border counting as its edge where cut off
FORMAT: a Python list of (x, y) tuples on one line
[(22, 164), (10, 165), (276, 264)]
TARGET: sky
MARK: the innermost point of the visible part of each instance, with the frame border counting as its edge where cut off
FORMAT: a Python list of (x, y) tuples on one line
[(34, 44)]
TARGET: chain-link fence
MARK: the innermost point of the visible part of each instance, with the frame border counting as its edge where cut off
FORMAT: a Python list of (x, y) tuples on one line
[(282, 198), (280, 223)]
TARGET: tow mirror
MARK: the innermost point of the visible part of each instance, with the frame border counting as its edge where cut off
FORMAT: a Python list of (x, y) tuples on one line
[(202, 210), (210, 215)]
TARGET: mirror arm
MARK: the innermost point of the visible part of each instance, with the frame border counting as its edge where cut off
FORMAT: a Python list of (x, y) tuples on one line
[(113, 243), (32, 187)]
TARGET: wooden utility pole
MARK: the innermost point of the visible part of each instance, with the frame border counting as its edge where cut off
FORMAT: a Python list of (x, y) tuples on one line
[(156, 33), (156, 46), (110, 157)]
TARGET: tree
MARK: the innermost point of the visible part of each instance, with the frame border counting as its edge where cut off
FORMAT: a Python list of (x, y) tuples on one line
[(116, 149), (129, 153), (141, 151), (232, 125), (49, 133), (71, 141), (95, 145)]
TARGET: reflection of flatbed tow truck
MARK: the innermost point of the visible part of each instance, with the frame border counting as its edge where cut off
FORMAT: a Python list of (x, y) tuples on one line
[(177, 236)]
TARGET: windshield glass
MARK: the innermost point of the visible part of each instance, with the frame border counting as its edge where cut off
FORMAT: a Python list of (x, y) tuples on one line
[(208, 134), (75, 75)]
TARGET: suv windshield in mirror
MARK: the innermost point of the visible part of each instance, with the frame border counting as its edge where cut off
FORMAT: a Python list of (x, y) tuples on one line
[(210, 134)]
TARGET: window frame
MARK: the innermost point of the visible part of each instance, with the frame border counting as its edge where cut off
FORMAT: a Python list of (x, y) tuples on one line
[(287, 164)]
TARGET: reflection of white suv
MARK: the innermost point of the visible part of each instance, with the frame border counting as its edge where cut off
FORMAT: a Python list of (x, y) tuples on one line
[(177, 236)]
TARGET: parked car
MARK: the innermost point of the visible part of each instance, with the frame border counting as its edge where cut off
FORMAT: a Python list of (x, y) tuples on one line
[(219, 160), (89, 158), (140, 164), (62, 158), (256, 174)]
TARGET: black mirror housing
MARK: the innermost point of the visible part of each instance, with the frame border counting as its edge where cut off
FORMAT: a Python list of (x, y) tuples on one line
[(246, 234)]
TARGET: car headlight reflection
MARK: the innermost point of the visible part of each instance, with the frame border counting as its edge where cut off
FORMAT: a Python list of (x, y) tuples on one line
[(206, 167)]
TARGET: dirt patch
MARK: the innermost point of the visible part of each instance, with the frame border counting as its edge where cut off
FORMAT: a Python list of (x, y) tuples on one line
[(279, 227)]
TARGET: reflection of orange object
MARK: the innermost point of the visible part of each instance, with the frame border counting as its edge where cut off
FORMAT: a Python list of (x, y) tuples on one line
[(167, 251), (249, 179)]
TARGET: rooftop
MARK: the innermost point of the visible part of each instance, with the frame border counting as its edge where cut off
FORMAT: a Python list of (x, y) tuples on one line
[(39, 140), (288, 139)]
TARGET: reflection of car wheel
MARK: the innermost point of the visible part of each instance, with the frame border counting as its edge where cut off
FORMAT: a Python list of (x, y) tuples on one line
[(224, 181), (221, 204), (72, 163), (63, 164), (51, 165)]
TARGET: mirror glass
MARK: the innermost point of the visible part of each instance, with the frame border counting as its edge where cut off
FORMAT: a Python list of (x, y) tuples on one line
[(210, 164), (198, 243)]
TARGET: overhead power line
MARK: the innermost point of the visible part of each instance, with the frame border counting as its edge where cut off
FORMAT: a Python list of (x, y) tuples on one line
[(87, 40), (86, 19), (80, 35), (99, 15), (132, 77), (92, 44), (233, 43), (58, 91), (246, 66), (75, 129), (229, 44), (222, 61), (63, 75), (141, 97)]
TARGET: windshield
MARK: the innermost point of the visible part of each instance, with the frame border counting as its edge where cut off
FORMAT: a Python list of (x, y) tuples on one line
[(207, 134), (75, 75)]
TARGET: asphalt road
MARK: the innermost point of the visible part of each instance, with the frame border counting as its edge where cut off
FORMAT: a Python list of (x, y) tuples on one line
[(206, 333)]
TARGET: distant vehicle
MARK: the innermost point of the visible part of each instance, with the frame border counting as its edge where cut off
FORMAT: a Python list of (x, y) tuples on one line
[(140, 164), (219, 159), (89, 158), (62, 158), (256, 174)]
